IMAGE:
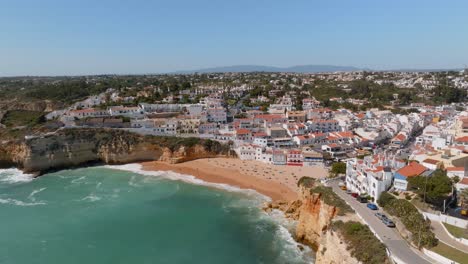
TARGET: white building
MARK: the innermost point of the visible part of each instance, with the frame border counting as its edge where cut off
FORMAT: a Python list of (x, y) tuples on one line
[(216, 115), (89, 112), (372, 175), (131, 111)]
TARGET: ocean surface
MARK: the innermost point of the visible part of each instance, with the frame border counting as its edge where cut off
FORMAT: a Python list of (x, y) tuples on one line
[(118, 215)]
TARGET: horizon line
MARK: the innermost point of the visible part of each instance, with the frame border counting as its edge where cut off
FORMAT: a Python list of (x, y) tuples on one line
[(191, 72)]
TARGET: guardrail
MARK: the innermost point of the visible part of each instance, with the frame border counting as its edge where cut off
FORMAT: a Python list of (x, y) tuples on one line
[(440, 259)]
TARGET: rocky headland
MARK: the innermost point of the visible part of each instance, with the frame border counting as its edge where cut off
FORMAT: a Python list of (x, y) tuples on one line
[(76, 147), (328, 225)]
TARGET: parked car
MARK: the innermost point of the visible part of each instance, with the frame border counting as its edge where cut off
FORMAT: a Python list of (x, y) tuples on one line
[(372, 206), (361, 199), (388, 222), (380, 216), (343, 188), (355, 195), (349, 192)]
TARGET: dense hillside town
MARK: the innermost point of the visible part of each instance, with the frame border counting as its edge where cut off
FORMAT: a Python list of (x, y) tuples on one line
[(374, 121), (379, 132)]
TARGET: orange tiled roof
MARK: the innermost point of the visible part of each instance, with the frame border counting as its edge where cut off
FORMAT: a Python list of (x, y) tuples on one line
[(400, 137), (431, 161), (413, 169), (462, 139), (242, 131), (455, 169), (464, 181)]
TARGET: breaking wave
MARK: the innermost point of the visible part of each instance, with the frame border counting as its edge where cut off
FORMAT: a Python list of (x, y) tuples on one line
[(91, 198), (14, 176), (290, 249), (137, 168), (20, 203), (31, 196)]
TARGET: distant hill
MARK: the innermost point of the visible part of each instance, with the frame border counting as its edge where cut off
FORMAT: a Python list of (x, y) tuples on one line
[(260, 68)]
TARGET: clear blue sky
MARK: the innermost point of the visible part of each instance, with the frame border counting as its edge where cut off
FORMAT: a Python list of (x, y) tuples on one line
[(56, 37)]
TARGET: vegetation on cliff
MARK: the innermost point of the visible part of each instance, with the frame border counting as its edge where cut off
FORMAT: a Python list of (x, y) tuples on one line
[(361, 242), (327, 195), (174, 143), (306, 182), (331, 198), (411, 218), (127, 139), (16, 118), (74, 147)]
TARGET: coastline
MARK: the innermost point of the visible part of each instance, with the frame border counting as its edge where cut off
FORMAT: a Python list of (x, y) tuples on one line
[(276, 182)]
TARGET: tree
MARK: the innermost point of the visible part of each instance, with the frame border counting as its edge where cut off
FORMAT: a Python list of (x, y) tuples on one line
[(434, 188), (338, 168), (385, 199)]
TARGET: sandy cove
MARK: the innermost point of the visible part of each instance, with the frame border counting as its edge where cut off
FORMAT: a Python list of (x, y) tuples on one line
[(277, 182)]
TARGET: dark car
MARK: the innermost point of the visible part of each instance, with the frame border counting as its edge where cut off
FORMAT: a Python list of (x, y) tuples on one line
[(355, 195), (388, 222), (380, 216), (372, 206), (361, 199)]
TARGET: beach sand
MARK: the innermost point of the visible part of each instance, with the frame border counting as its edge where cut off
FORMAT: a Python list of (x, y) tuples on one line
[(277, 182)]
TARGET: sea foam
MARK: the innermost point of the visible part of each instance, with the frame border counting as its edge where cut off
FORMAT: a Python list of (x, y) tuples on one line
[(14, 175), (32, 197), (290, 246), (137, 168), (19, 203)]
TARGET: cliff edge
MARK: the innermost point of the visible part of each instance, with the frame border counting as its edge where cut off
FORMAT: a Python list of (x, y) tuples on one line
[(328, 225), (75, 147)]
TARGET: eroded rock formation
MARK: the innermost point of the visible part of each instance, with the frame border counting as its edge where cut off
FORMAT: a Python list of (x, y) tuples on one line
[(74, 147)]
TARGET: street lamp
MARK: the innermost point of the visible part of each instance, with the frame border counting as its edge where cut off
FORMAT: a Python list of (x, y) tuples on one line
[(420, 226)]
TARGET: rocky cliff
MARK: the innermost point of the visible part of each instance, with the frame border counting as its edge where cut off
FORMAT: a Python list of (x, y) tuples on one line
[(313, 228), (74, 147), (314, 219), (327, 224)]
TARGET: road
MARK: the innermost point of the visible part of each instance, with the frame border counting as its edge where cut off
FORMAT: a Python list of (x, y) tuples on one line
[(442, 235), (390, 236)]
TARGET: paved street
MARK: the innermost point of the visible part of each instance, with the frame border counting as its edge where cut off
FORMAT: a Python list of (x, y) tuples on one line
[(390, 236), (442, 235)]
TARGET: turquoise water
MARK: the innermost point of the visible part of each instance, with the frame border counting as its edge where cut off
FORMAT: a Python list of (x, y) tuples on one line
[(102, 215)]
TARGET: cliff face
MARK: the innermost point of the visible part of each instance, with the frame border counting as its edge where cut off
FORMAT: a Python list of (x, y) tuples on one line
[(314, 218), (34, 105), (332, 250), (75, 147)]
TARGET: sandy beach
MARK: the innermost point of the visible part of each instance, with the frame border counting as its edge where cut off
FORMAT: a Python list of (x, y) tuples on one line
[(277, 182)]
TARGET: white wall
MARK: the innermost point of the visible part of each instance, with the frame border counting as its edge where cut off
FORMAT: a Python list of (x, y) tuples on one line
[(447, 219)]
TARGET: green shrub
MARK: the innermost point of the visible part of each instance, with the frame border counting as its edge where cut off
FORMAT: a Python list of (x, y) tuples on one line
[(361, 242), (306, 182), (338, 168), (411, 218), (408, 197), (362, 156), (385, 198), (22, 118), (329, 197)]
